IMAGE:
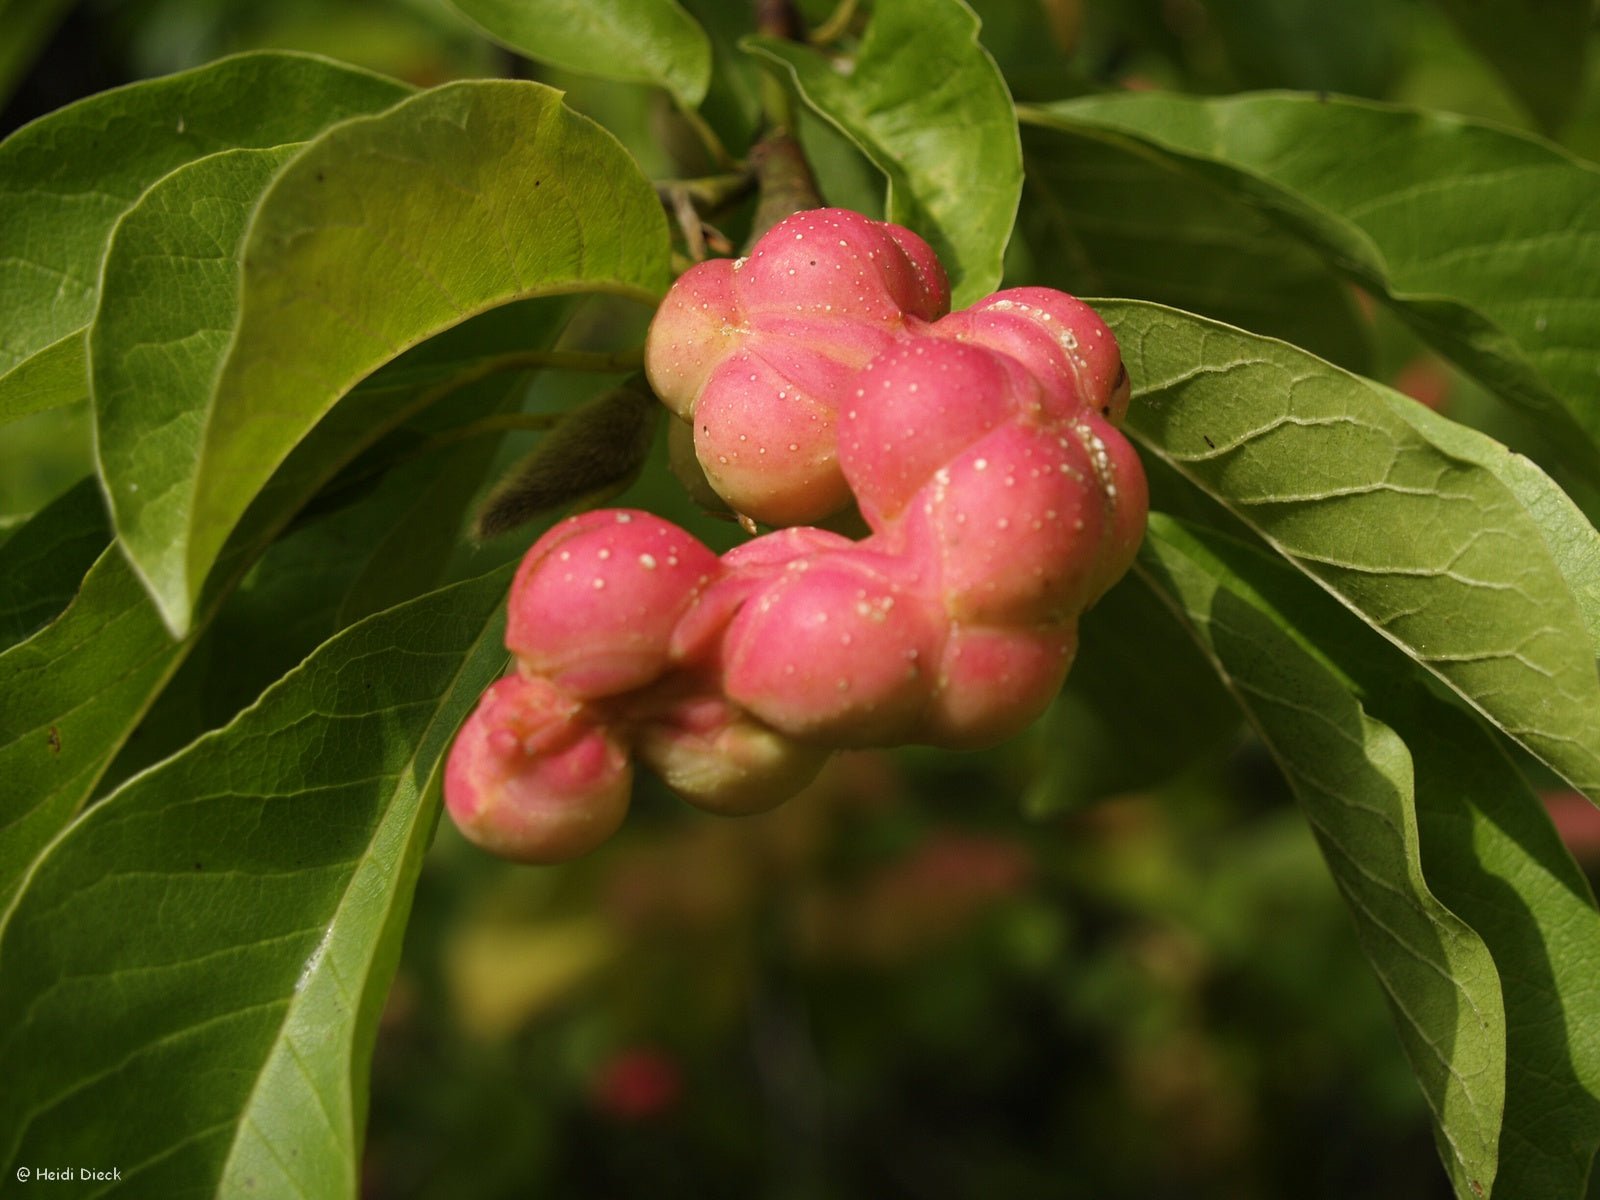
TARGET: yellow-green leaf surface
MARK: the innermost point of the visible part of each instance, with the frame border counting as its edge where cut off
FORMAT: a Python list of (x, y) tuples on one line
[(638, 41), (1487, 848), (1487, 242), (214, 1039), (378, 234), (168, 298), (1353, 779), (67, 177), (1431, 548), (925, 102), (1571, 540)]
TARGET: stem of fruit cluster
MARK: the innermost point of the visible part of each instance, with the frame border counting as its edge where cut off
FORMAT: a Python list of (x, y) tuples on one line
[(784, 180), (834, 27)]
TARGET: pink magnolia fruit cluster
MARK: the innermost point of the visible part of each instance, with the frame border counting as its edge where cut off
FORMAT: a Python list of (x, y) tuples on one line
[(981, 449)]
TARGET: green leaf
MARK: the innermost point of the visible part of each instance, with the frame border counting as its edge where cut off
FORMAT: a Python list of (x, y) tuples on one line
[(168, 299), (1430, 548), (260, 881), (926, 103), (330, 569), (1538, 49), (380, 233), (1488, 851), (1104, 218), (71, 695), (67, 177), (1491, 853), (1573, 543), (732, 104), (1352, 777), (1485, 241), (43, 562), (636, 41), (53, 378)]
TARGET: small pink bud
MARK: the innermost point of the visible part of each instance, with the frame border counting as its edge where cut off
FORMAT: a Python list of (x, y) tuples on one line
[(1126, 498), (993, 682), (758, 354), (696, 327), (595, 601), (1015, 524), (767, 444), (746, 569), (838, 650), (1058, 338), (533, 777), (720, 758), (834, 262), (914, 408)]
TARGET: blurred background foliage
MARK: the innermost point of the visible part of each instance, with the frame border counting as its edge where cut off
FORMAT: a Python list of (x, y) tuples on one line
[(892, 986)]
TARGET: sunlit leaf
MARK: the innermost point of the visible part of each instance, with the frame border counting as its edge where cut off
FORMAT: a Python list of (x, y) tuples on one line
[(926, 103), (1485, 241), (637, 41), (379, 234), (67, 177), (1487, 848), (1432, 549), (261, 880)]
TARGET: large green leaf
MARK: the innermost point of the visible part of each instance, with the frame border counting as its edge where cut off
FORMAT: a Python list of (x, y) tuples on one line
[(1538, 49), (1488, 850), (1486, 242), (1572, 541), (1352, 777), (926, 103), (1432, 549), (168, 299), (52, 378), (380, 233), (260, 881), (42, 563), (1104, 218), (73, 693), (67, 177), (382, 546), (637, 41)]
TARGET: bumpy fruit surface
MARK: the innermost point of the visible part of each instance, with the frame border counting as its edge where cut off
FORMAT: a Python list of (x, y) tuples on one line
[(982, 451), (756, 353)]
